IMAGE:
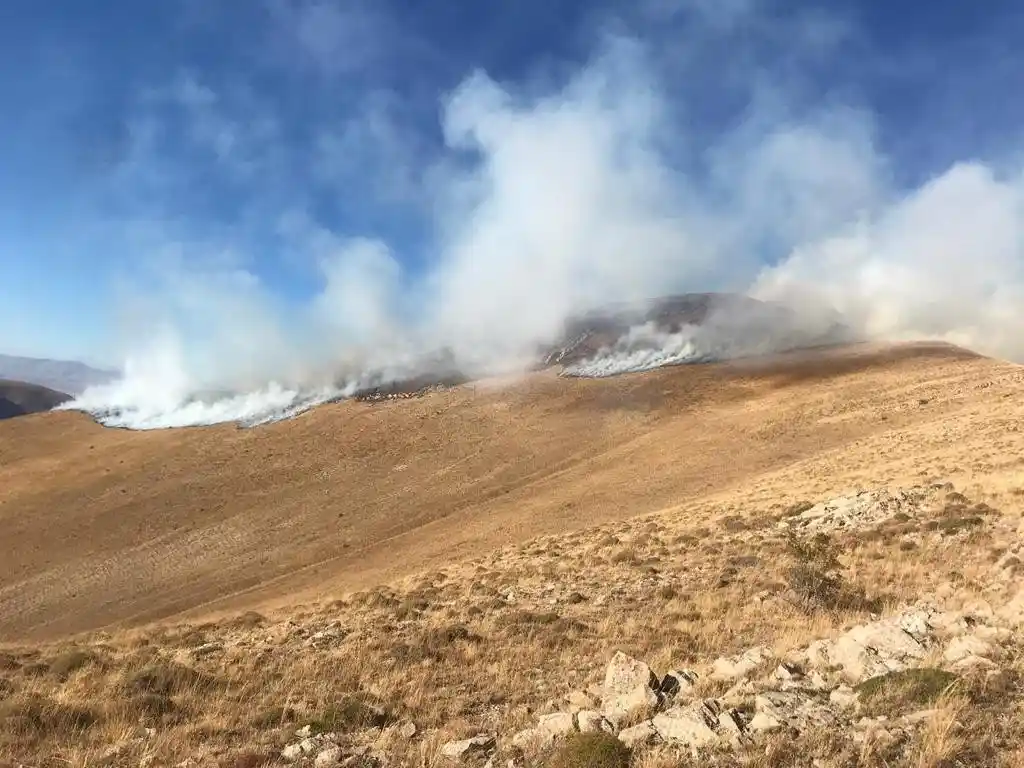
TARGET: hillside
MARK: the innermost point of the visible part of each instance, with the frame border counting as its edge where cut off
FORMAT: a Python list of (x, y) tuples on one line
[(61, 375), (448, 579), (20, 399)]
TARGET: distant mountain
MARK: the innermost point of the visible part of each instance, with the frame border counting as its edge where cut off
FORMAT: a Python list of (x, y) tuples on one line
[(671, 330), (19, 399), (61, 375), (692, 327)]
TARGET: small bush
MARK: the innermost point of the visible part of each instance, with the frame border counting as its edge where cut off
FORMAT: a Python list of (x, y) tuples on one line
[(895, 692), (668, 592), (815, 579), (272, 717), (625, 557), (248, 620), (249, 759), (69, 662), (150, 705), (735, 523), (167, 679), (351, 713), (798, 508), (434, 644), (35, 717), (951, 526), (547, 629), (591, 750)]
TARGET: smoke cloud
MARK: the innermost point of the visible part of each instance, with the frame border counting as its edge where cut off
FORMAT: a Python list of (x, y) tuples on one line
[(547, 202)]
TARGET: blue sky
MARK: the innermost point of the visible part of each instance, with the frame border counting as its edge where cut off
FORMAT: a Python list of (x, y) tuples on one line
[(188, 163)]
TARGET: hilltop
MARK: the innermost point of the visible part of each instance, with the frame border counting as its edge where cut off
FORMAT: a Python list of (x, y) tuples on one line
[(60, 375), (20, 399), (810, 559)]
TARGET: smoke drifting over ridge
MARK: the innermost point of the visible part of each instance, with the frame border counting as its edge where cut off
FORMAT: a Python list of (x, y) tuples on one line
[(561, 201)]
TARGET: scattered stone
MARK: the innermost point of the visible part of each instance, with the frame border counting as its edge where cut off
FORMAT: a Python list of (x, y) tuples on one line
[(206, 649), (693, 725), (995, 635), (798, 711), (869, 650), (762, 722), (629, 687), (922, 716), (865, 509), (589, 721), (329, 758), (973, 664), (843, 697), (788, 672), (677, 683), (476, 745), (557, 725), (407, 730), (578, 700), (549, 729), (641, 735), (968, 645), (291, 753), (729, 723), (739, 693), (733, 668)]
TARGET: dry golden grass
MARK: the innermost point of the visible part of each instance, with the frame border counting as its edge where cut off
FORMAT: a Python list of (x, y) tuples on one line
[(481, 646), (481, 625)]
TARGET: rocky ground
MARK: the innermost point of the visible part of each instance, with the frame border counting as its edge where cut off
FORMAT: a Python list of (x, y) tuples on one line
[(874, 629)]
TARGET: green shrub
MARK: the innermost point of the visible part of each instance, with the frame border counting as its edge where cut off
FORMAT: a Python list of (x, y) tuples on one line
[(591, 750), (895, 692)]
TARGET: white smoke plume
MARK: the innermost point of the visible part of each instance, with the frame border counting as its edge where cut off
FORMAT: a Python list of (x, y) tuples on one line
[(579, 195)]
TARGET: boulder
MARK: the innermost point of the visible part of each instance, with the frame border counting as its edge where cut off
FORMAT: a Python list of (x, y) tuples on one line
[(578, 701), (640, 735), (725, 669), (678, 683), (788, 673), (629, 687), (869, 650), (693, 725), (864, 509), (457, 750), (843, 697), (795, 710), (549, 729), (974, 664), (589, 721), (556, 726), (762, 722), (329, 758), (967, 645)]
